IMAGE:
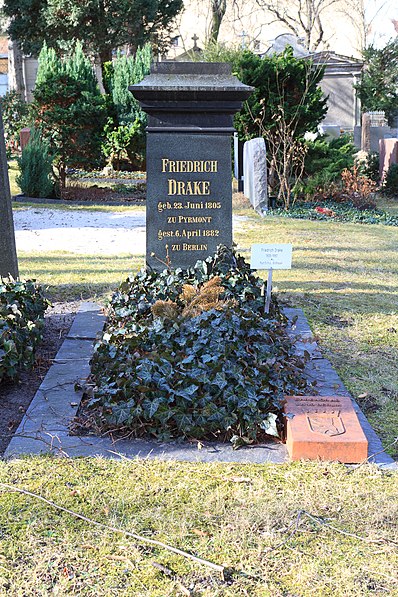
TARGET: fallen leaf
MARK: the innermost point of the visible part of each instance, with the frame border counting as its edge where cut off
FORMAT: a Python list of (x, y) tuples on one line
[(200, 533)]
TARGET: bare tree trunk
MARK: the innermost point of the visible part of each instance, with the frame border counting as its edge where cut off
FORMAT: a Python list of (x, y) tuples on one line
[(8, 253), (98, 74), (218, 9), (15, 68)]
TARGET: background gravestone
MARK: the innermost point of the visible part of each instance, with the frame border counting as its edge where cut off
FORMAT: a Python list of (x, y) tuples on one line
[(255, 174), (189, 189), (8, 253)]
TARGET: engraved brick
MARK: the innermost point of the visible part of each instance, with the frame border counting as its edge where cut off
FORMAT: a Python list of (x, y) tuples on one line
[(324, 428)]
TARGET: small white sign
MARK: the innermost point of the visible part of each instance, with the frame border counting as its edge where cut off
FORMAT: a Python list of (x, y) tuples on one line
[(271, 256)]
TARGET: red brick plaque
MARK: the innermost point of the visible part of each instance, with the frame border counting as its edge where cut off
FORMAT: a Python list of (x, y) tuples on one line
[(324, 428)]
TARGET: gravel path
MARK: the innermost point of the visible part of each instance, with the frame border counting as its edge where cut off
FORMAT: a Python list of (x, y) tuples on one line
[(80, 231)]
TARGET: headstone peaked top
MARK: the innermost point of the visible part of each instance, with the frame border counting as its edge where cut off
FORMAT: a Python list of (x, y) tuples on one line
[(190, 107)]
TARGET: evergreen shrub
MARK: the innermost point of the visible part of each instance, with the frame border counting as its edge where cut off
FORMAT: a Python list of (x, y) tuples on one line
[(125, 132), (325, 160), (22, 307), (124, 145), (35, 165), (390, 183), (15, 117), (192, 354), (369, 164), (69, 110)]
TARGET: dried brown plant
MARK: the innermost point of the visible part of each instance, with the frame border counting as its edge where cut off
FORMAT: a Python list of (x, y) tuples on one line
[(358, 189), (195, 301), (167, 309)]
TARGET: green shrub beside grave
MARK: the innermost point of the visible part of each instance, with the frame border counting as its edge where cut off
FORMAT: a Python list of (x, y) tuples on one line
[(15, 117), (192, 354), (390, 183), (35, 165), (22, 306)]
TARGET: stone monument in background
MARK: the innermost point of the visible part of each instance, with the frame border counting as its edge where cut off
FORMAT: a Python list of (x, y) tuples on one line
[(190, 107), (8, 253), (255, 174)]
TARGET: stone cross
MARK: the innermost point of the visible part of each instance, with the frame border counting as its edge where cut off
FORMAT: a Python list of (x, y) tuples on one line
[(8, 253), (243, 35), (195, 38)]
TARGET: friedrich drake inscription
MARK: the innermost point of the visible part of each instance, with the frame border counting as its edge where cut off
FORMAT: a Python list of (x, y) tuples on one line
[(189, 191), (192, 203)]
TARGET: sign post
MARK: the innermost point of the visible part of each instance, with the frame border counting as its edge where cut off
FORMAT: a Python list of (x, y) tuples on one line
[(270, 257)]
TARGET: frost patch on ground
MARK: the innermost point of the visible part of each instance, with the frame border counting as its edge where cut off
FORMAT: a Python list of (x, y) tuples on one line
[(83, 232)]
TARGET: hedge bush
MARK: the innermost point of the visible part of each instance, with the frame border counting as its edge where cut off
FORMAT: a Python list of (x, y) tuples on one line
[(22, 307), (340, 212), (191, 354)]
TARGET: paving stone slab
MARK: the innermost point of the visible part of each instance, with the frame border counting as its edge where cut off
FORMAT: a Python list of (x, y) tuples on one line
[(45, 425), (73, 350), (88, 322)]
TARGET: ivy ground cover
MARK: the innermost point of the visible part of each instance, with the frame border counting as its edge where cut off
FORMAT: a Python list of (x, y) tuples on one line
[(191, 354), (22, 307)]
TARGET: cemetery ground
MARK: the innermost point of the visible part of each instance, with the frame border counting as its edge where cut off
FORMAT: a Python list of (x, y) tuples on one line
[(294, 529)]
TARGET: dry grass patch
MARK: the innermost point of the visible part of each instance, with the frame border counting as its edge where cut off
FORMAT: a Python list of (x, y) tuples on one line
[(71, 276), (243, 517)]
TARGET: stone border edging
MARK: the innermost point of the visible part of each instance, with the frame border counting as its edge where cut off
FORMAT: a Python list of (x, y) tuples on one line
[(45, 425)]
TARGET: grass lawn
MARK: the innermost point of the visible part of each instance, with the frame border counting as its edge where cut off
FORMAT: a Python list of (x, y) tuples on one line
[(252, 519), (70, 276)]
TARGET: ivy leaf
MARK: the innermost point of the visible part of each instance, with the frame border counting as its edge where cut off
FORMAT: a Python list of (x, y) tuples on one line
[(120, 413), (188, 359), (151, 406), (269, 425), (239, 441), (188, 392), (220, 381)]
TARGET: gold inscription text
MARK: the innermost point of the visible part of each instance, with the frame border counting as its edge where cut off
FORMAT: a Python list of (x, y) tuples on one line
[(189, 165), (192, 187)]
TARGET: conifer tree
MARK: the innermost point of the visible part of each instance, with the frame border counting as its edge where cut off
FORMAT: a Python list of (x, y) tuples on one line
[(128, 71), (80, 68), (49, 64), (125, 136), (69, 110)]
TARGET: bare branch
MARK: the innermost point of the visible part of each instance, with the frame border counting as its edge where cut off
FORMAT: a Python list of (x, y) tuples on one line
[(304, 18)]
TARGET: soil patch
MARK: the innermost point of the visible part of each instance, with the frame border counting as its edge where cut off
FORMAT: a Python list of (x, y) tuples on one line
[(16, 396)]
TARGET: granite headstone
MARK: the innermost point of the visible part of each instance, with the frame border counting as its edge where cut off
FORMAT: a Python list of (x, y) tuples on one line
[(189, 189)]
